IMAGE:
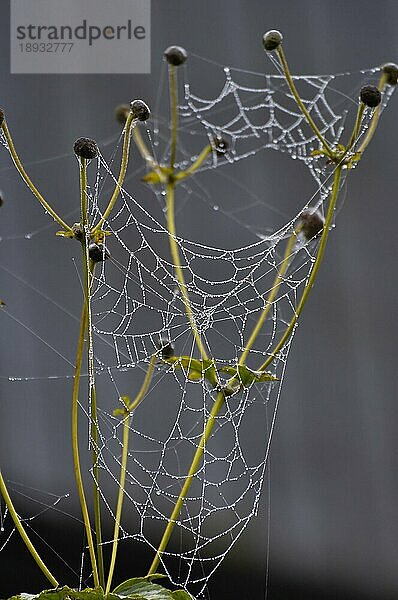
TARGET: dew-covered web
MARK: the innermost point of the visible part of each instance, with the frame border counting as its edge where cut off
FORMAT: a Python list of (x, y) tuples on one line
[(230, 260)]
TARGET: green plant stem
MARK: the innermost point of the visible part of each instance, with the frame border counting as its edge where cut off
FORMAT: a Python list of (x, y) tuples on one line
[(123, 466), (75, 445), (23, 534), (122, 480), (218, 404), (355, 131), (271, 296), (123, 168), (88, 267), (314, 271), (28, 181), (375, 119), (95, 436), (178, 269), (296, 95), (170, 188), (195, 165), (174, 113), (143, 150)]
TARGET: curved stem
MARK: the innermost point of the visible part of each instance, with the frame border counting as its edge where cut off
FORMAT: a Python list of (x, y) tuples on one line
[(218, 403), (95, 436), (123, 466), (296, 95), (122, 480), (88, 268), (271, 296), (75, 446), (21, 530), (143, 150), (28, 181), (177, 266), (122, 173), (314, 271), (355, 131), (174, 113)]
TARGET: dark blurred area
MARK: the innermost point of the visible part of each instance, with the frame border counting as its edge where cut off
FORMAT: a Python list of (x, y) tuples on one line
[(330, 494)]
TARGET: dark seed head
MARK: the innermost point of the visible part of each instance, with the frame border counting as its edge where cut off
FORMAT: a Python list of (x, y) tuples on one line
[(122, 112), (140, 110), (272, 40), (370, 95), (1, 199), (166, 348), (78, 231), (85, 148), (390, 70), (175, 55), (311, 223), (1, 116), (98, 252), (220, 145)]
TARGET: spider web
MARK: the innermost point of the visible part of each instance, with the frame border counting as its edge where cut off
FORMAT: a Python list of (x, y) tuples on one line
[(136, 300)]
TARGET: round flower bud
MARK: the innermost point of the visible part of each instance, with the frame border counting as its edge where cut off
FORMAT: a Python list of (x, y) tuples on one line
[(175, 55), (98, 252), (370, 95), (122, 112), (166, 348), (85, 148), (1, 116), (220, 145), (140, 110), (78, 231), (272, 40), (312, 223), (391, 72)]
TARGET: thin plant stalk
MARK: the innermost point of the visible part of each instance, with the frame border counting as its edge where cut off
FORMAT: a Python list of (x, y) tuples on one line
[(178, 268), (174, 113), (122, 480), (75, 446), (301, 104), (271, 296), (123, 466), (122, 173), (170, 211), (218, 404), (142, 147), (88, 268), (357, 126), (21, 530), (322, 244), (28, 181)]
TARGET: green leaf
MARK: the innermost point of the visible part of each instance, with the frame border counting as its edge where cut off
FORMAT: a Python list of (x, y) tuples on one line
[(143, 588), (181, 595), (247, 376), (196, 369), (64, 593)]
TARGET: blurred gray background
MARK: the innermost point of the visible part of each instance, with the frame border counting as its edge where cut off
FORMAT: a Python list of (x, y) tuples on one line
[(333, 478)]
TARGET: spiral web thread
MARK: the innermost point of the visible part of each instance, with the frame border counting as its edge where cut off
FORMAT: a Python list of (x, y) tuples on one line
[(136, 300)]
